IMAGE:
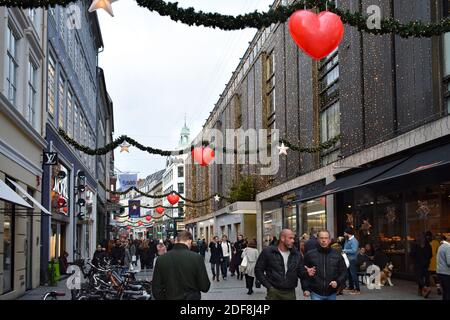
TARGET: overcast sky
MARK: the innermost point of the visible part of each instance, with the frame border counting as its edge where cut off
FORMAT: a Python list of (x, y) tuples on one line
[(157, 70)]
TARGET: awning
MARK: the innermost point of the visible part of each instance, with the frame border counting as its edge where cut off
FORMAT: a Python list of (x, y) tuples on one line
[(419, 162), (357, 179), (8, 194), (24, 193)]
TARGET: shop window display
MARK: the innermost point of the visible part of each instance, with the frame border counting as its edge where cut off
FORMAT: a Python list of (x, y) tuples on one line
[(290, 218), (60, 190), (272, 221), (313, 215)]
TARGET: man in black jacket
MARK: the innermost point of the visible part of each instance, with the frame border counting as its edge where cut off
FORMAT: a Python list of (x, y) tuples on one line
[(313, 242), (278, 268), (216, 257), (180, 274), (330, 270)]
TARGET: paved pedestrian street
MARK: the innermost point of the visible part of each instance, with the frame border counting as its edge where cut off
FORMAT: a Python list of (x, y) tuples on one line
[(234, 289)]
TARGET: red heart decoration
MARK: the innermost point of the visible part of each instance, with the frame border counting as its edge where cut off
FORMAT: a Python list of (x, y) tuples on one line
[(148, 218), (128, 227), (140, 223), (316, 34), (160, 210), (173, 198), (203, 155)]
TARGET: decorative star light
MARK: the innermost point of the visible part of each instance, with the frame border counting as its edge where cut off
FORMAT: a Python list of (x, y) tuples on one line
[(102, 4), (135, 207), (217, 198), (283, 149), (124, 147)]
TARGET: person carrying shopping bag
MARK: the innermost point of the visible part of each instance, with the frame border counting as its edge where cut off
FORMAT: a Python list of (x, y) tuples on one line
[(247, 267)]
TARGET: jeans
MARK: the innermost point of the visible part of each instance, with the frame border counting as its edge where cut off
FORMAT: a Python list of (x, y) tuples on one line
[(215, 269), (315, 296), (225, 265), (353, 282), (444, 279)]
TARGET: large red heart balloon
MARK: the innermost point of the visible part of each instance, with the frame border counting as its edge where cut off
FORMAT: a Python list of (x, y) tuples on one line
[(203, 155), (316, 34), (173, 198), (160, 210)]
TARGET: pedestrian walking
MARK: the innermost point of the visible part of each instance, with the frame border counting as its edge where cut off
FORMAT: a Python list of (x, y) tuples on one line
[(312, 243), (180, 274), (351, 247), (226, 255), (238, 248), (434, 243), (203, 248), (117, 253), (99, 256), (421, 254), (329, 270), (443, 267), (216, 257), (248, 262), (278, 268)]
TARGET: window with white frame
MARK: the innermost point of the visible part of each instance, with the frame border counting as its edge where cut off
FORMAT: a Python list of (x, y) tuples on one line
[(12, 67), (61, 101), (32, 15), (51, 84), (69, 113), (31, 94)]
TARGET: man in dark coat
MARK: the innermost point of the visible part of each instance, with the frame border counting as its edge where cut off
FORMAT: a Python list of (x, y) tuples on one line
[(216, 257), (312, 243), (118, 253), (180, 274), (278, 268), (238, 247), (329, 273), (421, 254), (203, 248)]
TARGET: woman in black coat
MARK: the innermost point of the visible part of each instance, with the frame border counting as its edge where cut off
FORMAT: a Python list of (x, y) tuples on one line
[(216, 257)]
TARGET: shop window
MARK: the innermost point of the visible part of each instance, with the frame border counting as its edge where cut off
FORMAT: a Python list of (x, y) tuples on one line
[(313, 215), (60, 190), (272, 221), (8, 244), (290, 218)]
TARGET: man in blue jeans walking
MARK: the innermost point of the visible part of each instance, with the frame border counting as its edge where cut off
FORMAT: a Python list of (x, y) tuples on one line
[(351, 250), (329, 270)]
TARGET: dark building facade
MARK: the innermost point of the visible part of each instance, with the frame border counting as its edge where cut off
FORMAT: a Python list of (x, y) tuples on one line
[(384, 96)]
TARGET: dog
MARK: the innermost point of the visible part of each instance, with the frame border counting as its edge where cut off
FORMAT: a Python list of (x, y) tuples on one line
[(386, 274)]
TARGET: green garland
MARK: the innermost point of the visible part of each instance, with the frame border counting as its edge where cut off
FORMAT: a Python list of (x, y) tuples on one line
[(159, 196), (113, 145), (282, 13), (261, 20)]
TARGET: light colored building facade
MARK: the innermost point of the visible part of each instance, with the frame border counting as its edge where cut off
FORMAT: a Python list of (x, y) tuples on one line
[(72, 95), (23, 46)]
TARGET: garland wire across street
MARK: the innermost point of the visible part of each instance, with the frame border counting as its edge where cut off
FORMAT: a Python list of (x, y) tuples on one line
[(259, 20)]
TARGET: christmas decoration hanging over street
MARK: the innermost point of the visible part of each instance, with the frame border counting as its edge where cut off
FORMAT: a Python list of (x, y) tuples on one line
[(160, 210), (124, 147), (102, 4), (283, 149), (173, 198), (278, 14), (203, 155), (316, 34)]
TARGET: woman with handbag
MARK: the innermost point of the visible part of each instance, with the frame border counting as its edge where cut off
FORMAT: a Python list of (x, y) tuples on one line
[(247, 266)]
